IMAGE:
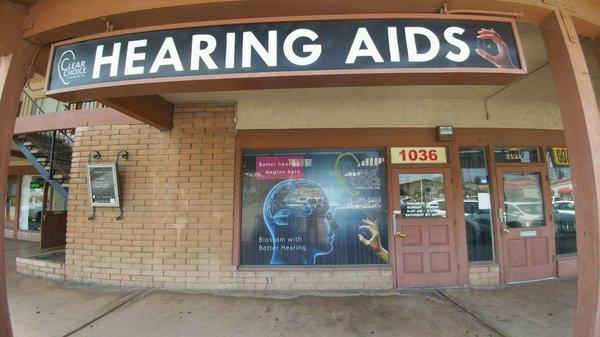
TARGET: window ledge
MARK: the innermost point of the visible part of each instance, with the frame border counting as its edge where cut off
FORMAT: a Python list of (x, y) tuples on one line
[(382, 267)]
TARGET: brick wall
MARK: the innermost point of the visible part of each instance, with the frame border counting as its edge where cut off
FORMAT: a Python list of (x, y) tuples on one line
[(9, 233), (29, 236), (484, 275), (41, 268), (178, 199)]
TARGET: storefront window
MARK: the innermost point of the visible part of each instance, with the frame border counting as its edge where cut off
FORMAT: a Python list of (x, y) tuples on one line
[(422, 195), (11, 198), (313, 207), (517, 154), (32, 203), (477, 204), (563, 204)]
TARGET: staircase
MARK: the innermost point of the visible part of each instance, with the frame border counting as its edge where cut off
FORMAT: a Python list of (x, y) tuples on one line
[(49, 152)]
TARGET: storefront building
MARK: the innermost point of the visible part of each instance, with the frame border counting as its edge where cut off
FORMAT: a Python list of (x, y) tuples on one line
[(31, 203), (334, 150)]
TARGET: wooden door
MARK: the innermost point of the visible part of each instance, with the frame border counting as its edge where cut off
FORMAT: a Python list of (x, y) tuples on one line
[(526, 227), (54, 220), (423, 223), (54, 229)]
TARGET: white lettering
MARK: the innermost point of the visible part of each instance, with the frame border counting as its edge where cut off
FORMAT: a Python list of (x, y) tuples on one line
[(411, 44), (362, 36), (203, 53), (230, 51), (173, 60), (112, 60), (131, 56), (314, 50), (393, 43), (249, 42), (464, 53)]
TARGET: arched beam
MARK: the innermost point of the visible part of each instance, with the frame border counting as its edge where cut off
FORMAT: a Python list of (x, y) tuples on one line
[(15, 54), (54, 20), (581, 122)]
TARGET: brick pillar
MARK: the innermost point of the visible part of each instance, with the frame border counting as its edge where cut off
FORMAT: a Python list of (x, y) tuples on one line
[(581, 121)]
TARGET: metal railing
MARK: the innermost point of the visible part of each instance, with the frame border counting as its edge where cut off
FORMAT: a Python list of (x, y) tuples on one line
[(29, 107), (56, 146), (82, 105)]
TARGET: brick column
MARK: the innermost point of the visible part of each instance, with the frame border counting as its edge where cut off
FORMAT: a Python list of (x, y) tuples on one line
[(581, 121)]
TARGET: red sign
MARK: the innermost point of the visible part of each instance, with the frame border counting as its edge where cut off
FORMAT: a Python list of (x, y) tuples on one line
[(279, 167)]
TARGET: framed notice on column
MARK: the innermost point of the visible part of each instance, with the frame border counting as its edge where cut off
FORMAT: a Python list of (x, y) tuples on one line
[(103, 186)]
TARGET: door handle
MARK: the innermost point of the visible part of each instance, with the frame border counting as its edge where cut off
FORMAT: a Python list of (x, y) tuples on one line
[(502, 218), (395, 216)]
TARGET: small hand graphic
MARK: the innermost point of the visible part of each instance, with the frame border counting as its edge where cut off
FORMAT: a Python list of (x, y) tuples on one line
[(500, 60), (375, 241)]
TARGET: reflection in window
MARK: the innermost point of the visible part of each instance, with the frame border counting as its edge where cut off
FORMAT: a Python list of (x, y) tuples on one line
[(477, 204), (563, 204), (57, 202), (11, 198), (523, 201), (32, 203), (422, 195), (517, 154)]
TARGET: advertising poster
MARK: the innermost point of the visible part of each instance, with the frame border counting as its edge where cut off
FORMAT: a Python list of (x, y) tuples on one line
[(313, 207)]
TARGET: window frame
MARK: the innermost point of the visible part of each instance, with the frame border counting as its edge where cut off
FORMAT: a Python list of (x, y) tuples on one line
[(239, 202)]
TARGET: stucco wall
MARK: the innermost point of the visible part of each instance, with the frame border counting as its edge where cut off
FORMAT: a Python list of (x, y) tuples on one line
[(387, 107)]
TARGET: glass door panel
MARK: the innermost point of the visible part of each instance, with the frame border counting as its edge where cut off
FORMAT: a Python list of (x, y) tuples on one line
[(523, 200)]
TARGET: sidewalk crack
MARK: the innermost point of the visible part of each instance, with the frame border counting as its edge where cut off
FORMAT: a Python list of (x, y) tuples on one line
[(136, 295), (470, 312)]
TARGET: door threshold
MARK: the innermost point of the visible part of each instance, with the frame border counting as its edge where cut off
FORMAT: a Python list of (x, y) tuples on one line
[(531, 281)]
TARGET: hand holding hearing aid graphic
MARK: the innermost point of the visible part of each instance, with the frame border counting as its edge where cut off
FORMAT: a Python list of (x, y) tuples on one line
[(374, 243), (500, 60)]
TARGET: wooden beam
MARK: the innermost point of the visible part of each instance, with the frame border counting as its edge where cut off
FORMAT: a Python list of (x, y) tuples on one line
[(581, 121), (48, 22), (72, 119), (152, 110), (41, 60), (15, 55)]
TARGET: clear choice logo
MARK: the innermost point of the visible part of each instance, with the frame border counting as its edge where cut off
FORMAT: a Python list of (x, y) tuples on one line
[(69, 68), (419, 155)]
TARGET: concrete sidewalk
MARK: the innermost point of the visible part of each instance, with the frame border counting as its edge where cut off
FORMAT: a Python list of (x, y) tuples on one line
[(46, 308)]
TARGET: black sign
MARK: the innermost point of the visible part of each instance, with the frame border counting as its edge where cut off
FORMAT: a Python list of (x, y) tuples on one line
[(102, 185), (333, 45)]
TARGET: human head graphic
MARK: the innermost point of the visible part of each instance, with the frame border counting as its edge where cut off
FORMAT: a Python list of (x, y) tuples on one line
[(297, 214)]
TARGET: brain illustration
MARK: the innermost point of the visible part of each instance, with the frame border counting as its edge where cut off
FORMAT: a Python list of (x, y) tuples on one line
[(295, 198)]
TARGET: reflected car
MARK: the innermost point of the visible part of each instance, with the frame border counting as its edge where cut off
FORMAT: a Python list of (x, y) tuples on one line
[(470, 206), (564, 206), (479, 221), (35, 217), (526, 214), (479, 234)]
